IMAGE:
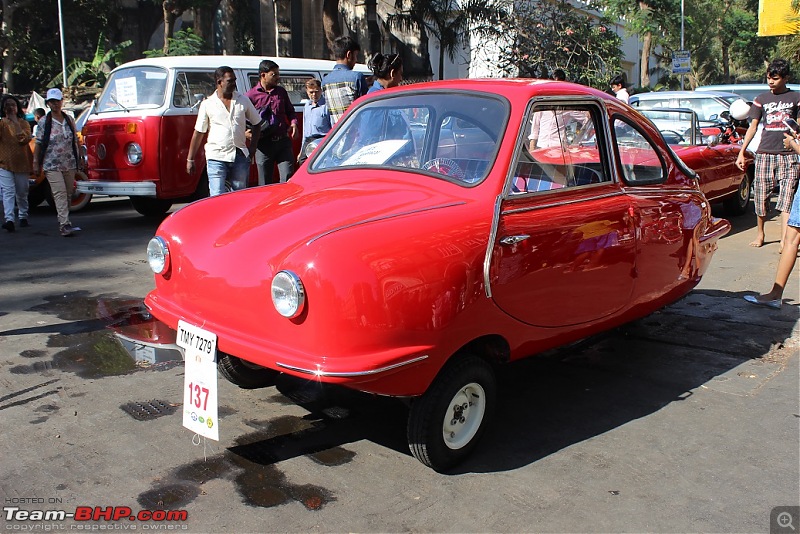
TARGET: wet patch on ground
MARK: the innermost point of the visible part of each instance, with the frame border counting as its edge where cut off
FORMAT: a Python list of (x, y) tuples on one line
[(91, 349), (33, 354), (251, 464)]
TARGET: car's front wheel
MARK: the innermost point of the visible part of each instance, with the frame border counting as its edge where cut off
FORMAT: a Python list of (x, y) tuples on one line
[(737, 204), (447, 421), (245, 374)]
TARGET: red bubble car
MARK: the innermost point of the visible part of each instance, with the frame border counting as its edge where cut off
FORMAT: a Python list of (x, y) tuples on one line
[(439, 231)]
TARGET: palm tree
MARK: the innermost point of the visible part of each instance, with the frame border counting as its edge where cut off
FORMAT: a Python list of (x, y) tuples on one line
[(451, 22)]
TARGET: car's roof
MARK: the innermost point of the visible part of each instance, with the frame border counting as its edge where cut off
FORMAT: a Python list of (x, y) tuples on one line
[(508, 86)]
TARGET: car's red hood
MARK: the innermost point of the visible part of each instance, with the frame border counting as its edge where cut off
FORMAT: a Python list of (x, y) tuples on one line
[(280, 217)]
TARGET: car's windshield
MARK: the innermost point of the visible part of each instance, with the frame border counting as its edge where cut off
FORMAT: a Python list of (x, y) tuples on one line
[(132, 88), (455, 135)]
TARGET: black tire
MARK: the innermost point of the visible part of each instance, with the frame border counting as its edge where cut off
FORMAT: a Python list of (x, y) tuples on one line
[(738, 203), (151, 207), (38, 194), (447, 421), (245, 374)]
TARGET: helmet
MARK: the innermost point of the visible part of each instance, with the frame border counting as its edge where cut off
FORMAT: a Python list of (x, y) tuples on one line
[(739, 109)]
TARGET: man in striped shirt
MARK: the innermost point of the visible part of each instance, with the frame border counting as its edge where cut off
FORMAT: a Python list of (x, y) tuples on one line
[(343, 85)]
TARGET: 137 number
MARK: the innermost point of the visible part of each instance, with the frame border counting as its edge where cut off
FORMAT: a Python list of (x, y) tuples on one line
[(198, 396)]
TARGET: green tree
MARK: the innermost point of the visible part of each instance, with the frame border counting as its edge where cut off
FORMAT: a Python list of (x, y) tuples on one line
[(185, 43), (553, 35), (451, 22), (789, 46), (650, 19), (30, 40), (92, 73)]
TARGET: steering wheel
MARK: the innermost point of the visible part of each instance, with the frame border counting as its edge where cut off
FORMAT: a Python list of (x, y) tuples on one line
[(673, 134), (445, 166)]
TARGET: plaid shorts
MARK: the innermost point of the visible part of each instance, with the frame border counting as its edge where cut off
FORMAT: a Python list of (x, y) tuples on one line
[(772, 170)]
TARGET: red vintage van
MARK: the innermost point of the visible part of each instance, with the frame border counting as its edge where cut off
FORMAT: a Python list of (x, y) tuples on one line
[(137, 136)]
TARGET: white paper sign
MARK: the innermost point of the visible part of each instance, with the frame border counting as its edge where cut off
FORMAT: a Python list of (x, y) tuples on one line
[(200, 380), (376, 153), (126, 92)]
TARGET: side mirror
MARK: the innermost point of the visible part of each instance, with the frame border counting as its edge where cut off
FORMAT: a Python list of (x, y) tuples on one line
[(198, 97), (712, 140)]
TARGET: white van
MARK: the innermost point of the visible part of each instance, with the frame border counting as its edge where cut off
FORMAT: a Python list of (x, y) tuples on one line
[(137, 136)]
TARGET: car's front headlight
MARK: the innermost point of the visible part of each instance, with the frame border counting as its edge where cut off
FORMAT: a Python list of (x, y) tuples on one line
[(134, 153), (158, 255), (288, 294)]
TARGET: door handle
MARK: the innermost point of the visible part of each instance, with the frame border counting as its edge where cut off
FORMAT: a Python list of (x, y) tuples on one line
[(513, 239)]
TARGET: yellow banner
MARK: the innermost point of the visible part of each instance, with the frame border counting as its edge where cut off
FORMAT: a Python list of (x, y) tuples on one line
[(774, 17)]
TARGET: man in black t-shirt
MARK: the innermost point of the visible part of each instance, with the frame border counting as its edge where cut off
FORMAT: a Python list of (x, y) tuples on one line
[(775, 164)]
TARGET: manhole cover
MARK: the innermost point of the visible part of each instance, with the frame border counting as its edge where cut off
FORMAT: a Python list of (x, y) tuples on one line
[(146, 410)]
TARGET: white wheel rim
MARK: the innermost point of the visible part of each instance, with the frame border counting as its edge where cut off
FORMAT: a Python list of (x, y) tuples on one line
[(464, 416)]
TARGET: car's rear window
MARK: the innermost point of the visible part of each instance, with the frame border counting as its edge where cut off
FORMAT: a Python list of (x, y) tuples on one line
[(437, 133)]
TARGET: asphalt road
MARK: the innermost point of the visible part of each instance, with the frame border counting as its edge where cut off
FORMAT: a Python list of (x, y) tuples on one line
[(684, 421)]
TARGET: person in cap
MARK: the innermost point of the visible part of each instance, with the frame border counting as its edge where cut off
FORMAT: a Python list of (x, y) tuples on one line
[(56, 152)]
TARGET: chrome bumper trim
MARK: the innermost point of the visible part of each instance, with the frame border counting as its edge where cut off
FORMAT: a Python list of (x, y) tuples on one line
[(319, 372), (134, 189)]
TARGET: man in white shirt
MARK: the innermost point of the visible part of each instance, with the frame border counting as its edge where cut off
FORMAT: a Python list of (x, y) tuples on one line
[(618, 86), (549, 127), (224, 116)]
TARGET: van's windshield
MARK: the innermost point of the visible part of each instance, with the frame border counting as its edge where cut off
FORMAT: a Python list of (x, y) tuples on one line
[(134, 88)]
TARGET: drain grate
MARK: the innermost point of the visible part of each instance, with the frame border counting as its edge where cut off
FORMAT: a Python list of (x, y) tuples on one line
[(147, 410)]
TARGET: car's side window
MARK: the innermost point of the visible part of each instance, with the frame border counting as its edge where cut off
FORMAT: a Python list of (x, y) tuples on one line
[(559, 149), (639, 158), (190, 84)]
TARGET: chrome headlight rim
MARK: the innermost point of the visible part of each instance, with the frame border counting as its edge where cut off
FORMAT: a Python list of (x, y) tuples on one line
[(158, 255), (288, 294), (134, 153)]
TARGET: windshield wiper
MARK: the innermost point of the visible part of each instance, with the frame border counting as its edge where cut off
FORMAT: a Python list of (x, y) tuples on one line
[(114, 100)]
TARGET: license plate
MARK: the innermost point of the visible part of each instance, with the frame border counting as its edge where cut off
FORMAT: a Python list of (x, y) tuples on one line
[(200, 404), (194, 338)]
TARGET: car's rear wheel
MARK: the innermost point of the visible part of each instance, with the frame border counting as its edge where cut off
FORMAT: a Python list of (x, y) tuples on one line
[(151, 207), (737, 204), (245, 374), (447, 421)]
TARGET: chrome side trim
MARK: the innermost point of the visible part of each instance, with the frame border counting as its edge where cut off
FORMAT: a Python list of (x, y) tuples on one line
[(318, 372), (563, 202), (383, 218), (487, 259)]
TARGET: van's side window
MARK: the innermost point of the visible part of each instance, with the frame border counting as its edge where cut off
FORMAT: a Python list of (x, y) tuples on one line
[(192, 83), (295, 85)]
